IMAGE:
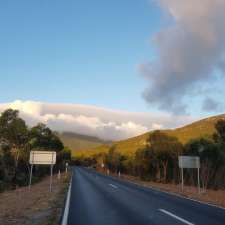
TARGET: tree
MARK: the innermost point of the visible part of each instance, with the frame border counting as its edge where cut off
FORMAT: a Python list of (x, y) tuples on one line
[(7, 164), (16, 141), (41, 137), (63, 157), (219, 136), (144, 162), (113, 159), (209, 155), (14, 130), (167, 149)]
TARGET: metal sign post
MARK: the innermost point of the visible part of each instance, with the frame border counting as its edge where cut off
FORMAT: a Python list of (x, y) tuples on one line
[(31, 172), (50, 186), (42, 158), (182, 179), (199, 189), (189, 162)]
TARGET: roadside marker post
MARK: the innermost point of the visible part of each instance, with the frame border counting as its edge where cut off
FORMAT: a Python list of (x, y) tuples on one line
[(42, 158), (189, 162), (67, 164), (59, 175)]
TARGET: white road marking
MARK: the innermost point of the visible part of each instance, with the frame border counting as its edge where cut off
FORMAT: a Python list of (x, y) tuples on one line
[(174, 194), (67, 206), (176, 217), (114, 186)]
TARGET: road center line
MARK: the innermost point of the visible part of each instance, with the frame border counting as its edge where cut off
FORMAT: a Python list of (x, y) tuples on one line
[(176, 217), (114, 186)]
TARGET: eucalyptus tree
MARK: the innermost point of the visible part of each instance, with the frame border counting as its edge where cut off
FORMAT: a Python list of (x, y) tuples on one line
[(13, 129)]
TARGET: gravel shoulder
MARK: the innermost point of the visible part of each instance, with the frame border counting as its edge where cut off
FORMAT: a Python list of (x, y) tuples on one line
[(215, 197), (36, 206)]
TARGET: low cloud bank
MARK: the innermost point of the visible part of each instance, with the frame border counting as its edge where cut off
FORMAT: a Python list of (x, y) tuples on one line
[(104, 123)]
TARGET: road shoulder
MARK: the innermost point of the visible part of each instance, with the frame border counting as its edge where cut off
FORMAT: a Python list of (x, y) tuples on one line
[(35, 207)]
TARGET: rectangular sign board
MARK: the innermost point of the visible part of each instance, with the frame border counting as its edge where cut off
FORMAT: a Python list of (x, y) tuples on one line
[(42, 157), (189, 162)]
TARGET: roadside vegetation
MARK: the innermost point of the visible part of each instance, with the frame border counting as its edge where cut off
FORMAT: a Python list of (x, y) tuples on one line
[(16, 142), (157, 160)]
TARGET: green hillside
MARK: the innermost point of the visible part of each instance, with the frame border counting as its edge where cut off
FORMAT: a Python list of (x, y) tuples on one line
[(77, 141), (201, 128)]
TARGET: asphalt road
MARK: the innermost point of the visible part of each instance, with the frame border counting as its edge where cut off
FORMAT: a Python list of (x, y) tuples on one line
[(97, 199)]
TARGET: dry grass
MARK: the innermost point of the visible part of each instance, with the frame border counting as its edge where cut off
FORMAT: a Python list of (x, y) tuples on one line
[(35, 207)]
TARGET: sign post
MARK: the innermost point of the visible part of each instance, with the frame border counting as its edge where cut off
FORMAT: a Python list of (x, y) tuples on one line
[(182, 179), (199, 190), (31, 172), (42, 158), (189, 162), (50, 186)]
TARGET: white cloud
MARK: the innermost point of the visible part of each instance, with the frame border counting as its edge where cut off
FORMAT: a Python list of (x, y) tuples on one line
[(91, 120), (189, 51), (156, 126)]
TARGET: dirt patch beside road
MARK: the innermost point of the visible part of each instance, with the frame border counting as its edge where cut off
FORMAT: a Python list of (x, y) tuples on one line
[(35, 207)]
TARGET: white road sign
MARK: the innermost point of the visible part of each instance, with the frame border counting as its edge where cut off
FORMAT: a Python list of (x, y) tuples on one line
[(42, 158), (189, 162)]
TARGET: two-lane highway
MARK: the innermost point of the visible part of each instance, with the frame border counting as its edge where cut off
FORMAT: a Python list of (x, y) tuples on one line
[(97, 199)]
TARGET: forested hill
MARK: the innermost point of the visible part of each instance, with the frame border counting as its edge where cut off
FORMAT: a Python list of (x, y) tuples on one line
[(78, 141), (201, 128)]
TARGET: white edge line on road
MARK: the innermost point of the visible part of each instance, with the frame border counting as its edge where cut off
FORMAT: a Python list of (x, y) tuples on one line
[(114, 186), (176, 217), (170, 193), (67, 205), (177, 195)]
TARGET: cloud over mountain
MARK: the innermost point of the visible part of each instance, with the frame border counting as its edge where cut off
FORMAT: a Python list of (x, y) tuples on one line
[(189, 52), (91, 120)]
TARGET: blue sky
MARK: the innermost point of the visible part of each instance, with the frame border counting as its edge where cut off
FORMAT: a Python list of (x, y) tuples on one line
[(88, 52), (76, 51)]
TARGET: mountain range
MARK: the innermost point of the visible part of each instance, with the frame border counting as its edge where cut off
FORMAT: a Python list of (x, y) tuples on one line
[(87, 145)]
